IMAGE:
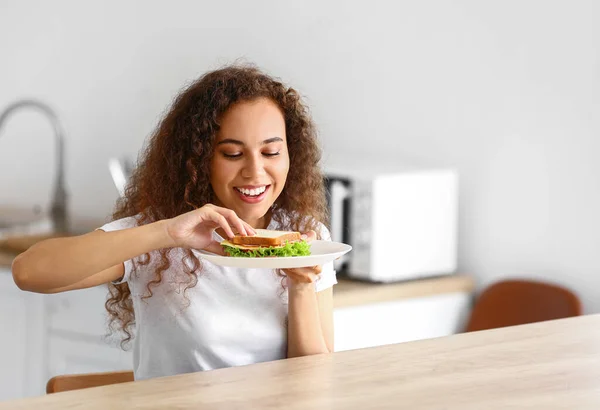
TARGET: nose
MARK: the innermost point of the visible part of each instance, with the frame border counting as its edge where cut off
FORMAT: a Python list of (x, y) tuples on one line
[(253, 167)]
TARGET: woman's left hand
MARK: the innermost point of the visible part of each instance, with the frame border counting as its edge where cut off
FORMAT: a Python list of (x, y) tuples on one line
[(307, 274)]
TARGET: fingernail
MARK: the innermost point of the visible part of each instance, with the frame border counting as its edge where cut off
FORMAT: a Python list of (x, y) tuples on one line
[(303, 236)]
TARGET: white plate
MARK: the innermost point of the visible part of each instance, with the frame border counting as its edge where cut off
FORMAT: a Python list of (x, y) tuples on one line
[(322, 252)]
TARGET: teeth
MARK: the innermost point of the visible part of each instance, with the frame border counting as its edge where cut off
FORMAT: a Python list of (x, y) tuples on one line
[(252, 192)]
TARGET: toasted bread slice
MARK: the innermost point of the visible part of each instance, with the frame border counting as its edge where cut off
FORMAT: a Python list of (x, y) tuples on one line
[(267, 237), (248, 247)]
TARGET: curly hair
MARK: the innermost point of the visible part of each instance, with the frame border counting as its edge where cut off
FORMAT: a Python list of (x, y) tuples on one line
[(173, 172)]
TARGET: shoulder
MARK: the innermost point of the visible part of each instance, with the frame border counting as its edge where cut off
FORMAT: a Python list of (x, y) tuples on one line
[(322, 231)]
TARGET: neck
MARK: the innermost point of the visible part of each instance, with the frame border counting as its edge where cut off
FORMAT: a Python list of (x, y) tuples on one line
[(256, 223), (261, 223)]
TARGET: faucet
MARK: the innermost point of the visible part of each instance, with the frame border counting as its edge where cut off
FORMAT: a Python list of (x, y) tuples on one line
[(58, 209)]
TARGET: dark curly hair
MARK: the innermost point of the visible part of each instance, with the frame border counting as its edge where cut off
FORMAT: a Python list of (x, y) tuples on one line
[(173, 172)]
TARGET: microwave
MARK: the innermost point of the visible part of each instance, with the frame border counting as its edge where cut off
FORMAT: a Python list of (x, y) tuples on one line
[(401, 220)]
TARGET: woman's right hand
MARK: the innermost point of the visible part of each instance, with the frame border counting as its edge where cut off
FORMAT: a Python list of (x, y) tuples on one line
[(194, 229)]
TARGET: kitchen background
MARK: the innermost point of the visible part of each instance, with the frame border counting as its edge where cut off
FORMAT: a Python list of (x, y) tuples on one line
[(506, 92)]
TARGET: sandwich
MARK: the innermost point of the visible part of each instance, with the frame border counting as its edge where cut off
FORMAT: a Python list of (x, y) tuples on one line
[(266, 243)]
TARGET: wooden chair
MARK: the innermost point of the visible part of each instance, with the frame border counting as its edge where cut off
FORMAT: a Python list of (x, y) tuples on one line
[(517, 302), (63, 383)]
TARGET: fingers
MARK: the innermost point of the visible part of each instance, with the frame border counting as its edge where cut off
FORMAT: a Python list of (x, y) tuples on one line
[(301, 271), (309, 236), (221, 221), (304, 275), (232, 221), (296, 278), (249, 230)]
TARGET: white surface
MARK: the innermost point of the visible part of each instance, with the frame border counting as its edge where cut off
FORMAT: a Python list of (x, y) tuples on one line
[(46, 335), (80, 311), (400, 321), (77, 334), (322, 252), (22, 340), (13, 343), (411, 226), (71, 356)]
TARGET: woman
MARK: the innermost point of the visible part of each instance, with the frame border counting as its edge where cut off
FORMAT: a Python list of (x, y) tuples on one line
[(237, 151)]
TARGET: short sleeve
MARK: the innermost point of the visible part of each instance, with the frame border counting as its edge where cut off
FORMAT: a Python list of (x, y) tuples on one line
[(117, 225), (328, 277)]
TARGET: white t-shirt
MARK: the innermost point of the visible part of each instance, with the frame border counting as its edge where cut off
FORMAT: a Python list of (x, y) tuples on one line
[(232, 317)]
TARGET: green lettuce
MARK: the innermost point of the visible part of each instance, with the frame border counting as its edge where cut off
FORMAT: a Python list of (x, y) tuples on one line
[(301, 248)]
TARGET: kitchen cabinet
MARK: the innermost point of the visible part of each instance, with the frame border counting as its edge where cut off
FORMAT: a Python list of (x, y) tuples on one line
[(72, 356), (398, 321), (77, 335), (374, 314), (21, 340), (13, 352), (46, 335)]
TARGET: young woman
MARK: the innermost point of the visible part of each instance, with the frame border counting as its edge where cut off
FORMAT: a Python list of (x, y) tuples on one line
[(237, 151)]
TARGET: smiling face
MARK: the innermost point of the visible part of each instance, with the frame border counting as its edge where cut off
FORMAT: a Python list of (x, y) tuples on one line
[(250, 162)]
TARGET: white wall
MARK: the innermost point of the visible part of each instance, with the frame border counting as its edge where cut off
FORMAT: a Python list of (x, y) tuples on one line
[(507, 91)]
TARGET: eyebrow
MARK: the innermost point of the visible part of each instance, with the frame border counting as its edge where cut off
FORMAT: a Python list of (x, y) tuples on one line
[(237, 142)]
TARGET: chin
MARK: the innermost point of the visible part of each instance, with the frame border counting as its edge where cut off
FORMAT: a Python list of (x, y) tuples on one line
[(256, 214), (250, 211)]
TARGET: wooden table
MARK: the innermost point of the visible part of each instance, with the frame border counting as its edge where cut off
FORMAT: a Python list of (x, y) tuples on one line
[(549, 365)]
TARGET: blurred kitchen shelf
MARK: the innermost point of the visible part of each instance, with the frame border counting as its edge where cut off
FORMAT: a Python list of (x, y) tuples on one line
[(15, 221)]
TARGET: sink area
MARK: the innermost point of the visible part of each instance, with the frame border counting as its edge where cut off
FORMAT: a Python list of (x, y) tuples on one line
[(18, 219)]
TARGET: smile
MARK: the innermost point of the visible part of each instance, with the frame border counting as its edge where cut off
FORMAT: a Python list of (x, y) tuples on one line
[(253, 191), (252, 194)]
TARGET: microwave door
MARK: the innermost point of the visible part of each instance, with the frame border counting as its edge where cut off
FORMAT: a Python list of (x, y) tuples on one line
[(338, 202)]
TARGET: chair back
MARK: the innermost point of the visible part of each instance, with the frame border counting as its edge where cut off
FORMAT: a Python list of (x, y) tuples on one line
[(517, 302), (82, 381)]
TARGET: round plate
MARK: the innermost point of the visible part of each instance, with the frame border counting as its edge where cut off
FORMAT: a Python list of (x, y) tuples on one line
[(322, 252)]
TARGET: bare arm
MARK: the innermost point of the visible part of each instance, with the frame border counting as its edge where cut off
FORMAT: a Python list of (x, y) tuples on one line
[(108, 275), (310, 313), (88, 260), (62, 264), (310, 320)]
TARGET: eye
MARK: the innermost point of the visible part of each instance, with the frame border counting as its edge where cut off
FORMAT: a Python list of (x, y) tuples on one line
[(239, 154), (271, 154)]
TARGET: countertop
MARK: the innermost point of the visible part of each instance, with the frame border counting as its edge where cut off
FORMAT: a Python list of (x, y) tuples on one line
[(547, 365), (352, 293)]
